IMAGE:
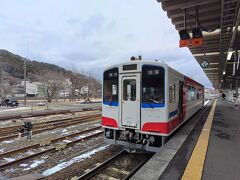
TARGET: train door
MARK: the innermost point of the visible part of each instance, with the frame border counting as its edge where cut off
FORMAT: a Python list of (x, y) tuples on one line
[(180, 101), (130, 101)]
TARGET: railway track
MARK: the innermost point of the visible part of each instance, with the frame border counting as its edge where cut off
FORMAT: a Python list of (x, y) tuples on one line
[(11, 132), (48, 113), (121, 166), (54, 144)]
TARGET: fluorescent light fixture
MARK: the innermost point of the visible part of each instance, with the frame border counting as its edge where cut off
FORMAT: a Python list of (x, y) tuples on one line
[(224, 72), (229, 55), (206, 54)]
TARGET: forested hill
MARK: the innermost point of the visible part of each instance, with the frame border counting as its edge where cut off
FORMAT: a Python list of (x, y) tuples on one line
[(11, 67)]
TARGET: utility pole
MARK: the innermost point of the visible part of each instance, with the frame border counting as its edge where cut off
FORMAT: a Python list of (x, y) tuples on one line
[(25, 78), (1, 74)]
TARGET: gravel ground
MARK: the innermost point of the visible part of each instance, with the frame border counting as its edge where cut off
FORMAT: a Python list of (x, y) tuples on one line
[(14, 122), (48, 160), (78, 168), (48, 135), (52, 159)]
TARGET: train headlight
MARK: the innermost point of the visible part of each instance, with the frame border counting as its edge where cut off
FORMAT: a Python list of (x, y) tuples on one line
[(152, 139), (109, 133)]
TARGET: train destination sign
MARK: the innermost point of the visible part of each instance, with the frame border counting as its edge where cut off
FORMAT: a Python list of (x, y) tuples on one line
[(204, 64)]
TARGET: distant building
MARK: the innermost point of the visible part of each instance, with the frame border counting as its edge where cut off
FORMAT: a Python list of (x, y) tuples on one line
[(210, 93), (31, 88), (18, 90)]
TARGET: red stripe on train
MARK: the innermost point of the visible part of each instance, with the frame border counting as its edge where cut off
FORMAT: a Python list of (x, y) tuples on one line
[(161, 127), (109, 122)]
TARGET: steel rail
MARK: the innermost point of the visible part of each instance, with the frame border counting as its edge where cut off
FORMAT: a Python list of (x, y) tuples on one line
[(92, 173), (95, 170), (11, 128), (37, 114), (53, 149), (56, 125), (52, 141)]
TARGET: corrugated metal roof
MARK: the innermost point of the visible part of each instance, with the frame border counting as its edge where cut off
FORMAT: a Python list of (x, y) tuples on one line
[(217, 19)]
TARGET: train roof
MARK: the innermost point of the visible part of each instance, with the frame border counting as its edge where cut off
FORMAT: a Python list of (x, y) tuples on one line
[(138, 62), (158, 63)]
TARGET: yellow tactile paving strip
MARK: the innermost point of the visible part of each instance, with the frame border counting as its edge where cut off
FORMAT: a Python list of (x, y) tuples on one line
[(195, 165)]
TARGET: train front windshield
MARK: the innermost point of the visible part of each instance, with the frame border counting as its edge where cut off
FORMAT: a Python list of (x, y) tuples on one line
[(153, 86), (110, 87)]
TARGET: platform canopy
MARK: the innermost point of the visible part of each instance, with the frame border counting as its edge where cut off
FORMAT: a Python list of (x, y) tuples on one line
[(219, 22)]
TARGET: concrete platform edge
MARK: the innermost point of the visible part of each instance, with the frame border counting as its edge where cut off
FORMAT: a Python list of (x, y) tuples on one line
[(154, 168)]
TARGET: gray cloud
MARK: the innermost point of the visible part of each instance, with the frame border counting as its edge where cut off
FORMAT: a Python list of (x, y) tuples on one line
[(90, 35), (94, 23)]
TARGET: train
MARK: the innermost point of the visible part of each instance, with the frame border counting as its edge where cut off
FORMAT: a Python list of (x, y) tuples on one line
[(144, 102)]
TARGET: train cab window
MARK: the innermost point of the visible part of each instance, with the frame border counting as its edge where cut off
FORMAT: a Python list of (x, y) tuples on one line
[(110, 86), (153, 85), (129, 89)]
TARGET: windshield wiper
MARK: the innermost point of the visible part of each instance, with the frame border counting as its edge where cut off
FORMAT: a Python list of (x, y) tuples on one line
[(154, 101)]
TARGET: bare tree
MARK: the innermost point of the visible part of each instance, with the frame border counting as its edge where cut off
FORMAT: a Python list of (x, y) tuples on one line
[(52, 84), (4, 91), (78, 82), (92, 85)]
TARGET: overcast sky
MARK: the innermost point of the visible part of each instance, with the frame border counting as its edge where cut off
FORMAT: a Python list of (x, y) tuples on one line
[(89, 35)]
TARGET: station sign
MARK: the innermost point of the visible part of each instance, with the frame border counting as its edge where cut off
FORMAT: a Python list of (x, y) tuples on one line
[(184, 43), (197, 42), (204, 64)]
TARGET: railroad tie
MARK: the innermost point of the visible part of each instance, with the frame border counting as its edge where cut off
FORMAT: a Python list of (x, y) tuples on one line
[(118, 171), (104, 176)]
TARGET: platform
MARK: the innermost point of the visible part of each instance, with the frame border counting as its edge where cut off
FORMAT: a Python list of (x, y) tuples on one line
[(206, 147)]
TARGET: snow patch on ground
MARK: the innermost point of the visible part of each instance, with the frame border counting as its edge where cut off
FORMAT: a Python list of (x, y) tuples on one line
[(30, 152), (206, 102), (81, 136), (35, 164), (2, 150), (23, 165), (72, 161), (7, 142), (88, 134), (71, 127), (9, 159), (65, 130), (44, 157), (65, 133), (66, 141), (97, 131), (11, 170), (15, 109)]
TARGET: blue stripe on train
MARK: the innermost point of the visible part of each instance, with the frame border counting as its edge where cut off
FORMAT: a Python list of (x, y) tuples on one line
[(172, 114), (152, 105), (110, 103)]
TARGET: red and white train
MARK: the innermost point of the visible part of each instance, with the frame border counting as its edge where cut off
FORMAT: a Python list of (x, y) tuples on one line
[(144, 102)]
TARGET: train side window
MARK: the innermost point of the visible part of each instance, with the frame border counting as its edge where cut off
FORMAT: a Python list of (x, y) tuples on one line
[(189, 93), (129, 90), (170, 94), (193, 94), (174, 93)]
